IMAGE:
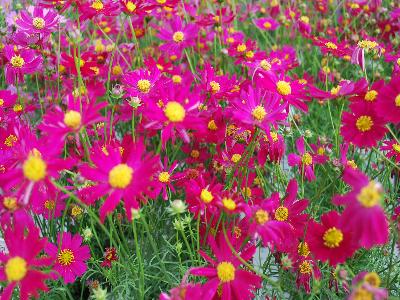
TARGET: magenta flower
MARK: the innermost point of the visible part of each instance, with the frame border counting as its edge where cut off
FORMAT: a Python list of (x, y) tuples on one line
[(388, 101), (392, 148), (177, 36), (363, 214), (142, 83), (42, 21), (20, 62), (70, 256), (224, 273), (268, 24), (20, 267)]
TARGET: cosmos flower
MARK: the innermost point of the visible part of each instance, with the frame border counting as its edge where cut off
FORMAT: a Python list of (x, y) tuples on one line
[(388, 101), (20, 62), (21, 266), (110, 255), (42, 21), (70, 256), (224, 273), (363, 214), (268, 24), (392, 148)]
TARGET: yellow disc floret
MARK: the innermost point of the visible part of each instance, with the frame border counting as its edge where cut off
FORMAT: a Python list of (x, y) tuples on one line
[(38, 23), (283, 88), (120, 176), (178, 37), (73, 119), (370, 195), (364, 123), (66, 257), (258, 113), (174, 111), (16, 268), (34, 167), (206, 196), (281, 213), (226, 272), (143, 85), (332, 237)]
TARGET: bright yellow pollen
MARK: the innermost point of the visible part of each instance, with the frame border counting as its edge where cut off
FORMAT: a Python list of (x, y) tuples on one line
[(16, 269), (373, 279), (398, 61), (73, 119), (1, 102), (174, 111), (397, 100), (305, 267), (258, 113), (81, 63), (241, 48), (281, 213), (143, 85), (10, 140), (396, 147), (335, 90), (236, 158), (305, 19), (249, 54), (321, 151), (206, 196), (66, 257), (50, 204), (261, 216), (195, 153), (363, 294), (265, 65), (176, 79), (163, 177), (17, 107), (370, 195), (366, 44), (364, 123), (117, 70), (215, 87), (178, 37), (330, 45), (76, 211), (10, 203), (352, 164), (130, 6), (283, 88), (306, 159), (34, 167), (17, 61), (120, 176), (225, 271), (332, 237), (303, 249), (370, 95), (97, 5), (211, 125), (267, 25), (229, 204), (38, 23)]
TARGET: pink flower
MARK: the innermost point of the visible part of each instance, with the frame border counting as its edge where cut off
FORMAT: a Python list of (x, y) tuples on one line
[(363, 214), (267, 24), (70, 256), (42, 21), (224, 272), (20, 62), (388, 101), (20, 267), (392, 148)]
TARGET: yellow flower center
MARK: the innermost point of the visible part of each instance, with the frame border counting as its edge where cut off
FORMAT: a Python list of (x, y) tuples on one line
[(366, 44), (332, 237), (34, 167), (50, 204), (130, 6), (73, 119), (195, 153), (120, 176), (267, 25), (335, 90), (398, 61), (396, 147), (178, 37), (117, 70), (225, 271), (363, 294), (10, 140), (66, 257), (259, 113), (306, 159), (397, 100), (215, 87), (305, 267), (321, 151), (281, 213), (261, 216), (10, 203), (373, 279), (249, 54), (76, 211), (302, 249), (16, 268), (176, 79), (370, 195), (38, 23), (163, 177), (97, 5), (305, 19), (283, 88), (364, 123), (246, 191), (206, 196), (143, 85), (265, 65), (17, 61), (211, 125), (229, 204), (352, 164), (174, 111), (330, 45), (17, 107), (236, 157), (370, 95), (241, 48), (1, 101)]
